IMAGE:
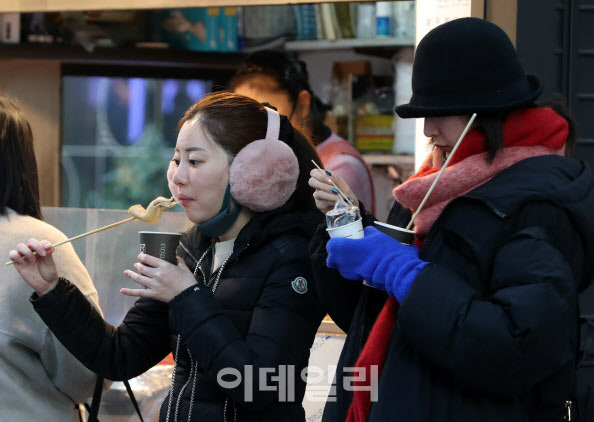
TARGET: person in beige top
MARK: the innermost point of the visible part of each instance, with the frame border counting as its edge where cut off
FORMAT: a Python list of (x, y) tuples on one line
[(39, 379)]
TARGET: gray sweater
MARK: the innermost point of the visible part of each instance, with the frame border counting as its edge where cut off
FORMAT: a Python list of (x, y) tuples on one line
[(39, 378)]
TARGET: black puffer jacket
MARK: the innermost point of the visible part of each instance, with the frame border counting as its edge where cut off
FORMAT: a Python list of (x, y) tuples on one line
[(263, 315), (489, 329)]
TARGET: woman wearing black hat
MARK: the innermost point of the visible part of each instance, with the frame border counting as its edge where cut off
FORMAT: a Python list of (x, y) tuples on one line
[(478, 321)]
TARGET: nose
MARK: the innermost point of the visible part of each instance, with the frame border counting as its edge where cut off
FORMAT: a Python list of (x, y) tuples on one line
[(179, 176), (429, 128)]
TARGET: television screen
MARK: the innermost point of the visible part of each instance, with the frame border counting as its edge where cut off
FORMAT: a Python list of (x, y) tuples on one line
[(118, 135)]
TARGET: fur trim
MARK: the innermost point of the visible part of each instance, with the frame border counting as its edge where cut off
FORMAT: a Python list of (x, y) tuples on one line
[(263, 175)]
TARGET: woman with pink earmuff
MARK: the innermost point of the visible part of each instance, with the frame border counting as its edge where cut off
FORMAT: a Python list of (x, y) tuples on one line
[(238, 311)]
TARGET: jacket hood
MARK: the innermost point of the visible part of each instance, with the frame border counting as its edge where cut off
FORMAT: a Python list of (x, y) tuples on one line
[(566, 182)]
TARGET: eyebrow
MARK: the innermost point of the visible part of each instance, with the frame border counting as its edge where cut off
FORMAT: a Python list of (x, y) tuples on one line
[(191, 149)]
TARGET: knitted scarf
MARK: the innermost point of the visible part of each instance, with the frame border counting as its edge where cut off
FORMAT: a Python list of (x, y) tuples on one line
[(527, 133)]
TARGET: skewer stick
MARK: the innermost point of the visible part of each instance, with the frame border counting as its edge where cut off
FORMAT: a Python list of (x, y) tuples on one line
[(337, 188), (441, 171), (109, 226), (85, 234)]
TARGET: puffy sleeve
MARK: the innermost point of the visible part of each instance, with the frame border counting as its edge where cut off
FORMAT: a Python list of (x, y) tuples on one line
[(63, 369), (116, 353)]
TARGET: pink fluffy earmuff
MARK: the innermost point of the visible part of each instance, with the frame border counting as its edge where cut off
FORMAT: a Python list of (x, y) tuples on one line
[(263, 175)]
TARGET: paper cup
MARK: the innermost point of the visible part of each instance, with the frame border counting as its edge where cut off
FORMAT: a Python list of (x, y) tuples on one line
[(160, 244), (352, 230), (406, 237)]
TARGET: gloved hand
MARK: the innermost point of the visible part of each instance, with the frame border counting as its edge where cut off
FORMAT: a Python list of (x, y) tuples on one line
[(378, 259)]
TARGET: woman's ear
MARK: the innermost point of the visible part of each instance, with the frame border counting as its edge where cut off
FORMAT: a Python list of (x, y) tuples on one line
[(303, 105)]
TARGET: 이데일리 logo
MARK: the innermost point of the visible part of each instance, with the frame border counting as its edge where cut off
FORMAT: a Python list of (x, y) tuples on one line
[(299, 285)]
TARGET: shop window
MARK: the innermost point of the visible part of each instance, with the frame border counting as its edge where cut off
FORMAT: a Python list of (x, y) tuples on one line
[(118, 135)]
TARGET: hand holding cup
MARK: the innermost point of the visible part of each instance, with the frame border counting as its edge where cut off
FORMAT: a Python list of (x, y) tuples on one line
[(382, 261), (159, 271)]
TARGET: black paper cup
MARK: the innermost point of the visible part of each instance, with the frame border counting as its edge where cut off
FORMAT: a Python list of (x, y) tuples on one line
[(406, 237), (160, 244)]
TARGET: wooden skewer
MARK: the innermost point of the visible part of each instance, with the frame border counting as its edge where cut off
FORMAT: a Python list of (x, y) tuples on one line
[(91, 232), (85, 234), (337, 188), (441, 171)]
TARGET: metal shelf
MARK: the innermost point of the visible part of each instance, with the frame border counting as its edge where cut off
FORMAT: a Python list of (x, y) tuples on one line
[(122, 55), (347, 43), (388, 159), (67, 5)]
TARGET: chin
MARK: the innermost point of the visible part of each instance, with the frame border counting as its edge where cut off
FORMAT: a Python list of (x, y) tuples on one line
[(197, 217)]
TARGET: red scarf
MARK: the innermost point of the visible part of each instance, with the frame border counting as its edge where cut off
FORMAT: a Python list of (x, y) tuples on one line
[(527, 133)]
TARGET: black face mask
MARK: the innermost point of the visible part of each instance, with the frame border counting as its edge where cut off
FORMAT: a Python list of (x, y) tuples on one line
[(222, 222)]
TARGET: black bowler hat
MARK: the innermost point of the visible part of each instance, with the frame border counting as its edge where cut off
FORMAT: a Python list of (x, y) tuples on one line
[(467, 66)]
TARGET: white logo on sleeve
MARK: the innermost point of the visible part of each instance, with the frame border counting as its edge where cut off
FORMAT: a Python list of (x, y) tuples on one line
[(299, 285)]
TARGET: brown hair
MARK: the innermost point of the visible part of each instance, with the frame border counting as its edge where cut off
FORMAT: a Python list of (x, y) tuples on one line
[(234, 120), (291, 76), (19, 186)]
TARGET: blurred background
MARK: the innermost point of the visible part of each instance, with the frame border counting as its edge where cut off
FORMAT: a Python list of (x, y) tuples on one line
[(104, 83)]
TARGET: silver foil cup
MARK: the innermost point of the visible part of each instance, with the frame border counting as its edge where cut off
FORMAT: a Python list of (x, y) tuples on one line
[(160, 244)]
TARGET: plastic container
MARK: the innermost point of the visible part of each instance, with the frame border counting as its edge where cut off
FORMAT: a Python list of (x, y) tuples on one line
[(404, 129), (352, 231), (366, 21), (383, 12)]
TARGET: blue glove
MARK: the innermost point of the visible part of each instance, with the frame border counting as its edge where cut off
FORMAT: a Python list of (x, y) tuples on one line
[(378, 259)]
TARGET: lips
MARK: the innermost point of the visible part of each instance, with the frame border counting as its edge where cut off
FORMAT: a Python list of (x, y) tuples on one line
[(183, 199), (444, 147)]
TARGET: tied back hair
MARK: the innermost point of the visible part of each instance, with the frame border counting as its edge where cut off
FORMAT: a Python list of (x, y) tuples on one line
[(292, 77)]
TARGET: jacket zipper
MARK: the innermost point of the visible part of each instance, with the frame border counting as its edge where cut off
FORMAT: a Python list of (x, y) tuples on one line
[(188, 251), (181, 392), (363, 315)]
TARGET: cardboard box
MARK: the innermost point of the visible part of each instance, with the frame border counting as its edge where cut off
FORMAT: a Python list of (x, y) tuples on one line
[(341, 70), (229, 21), (213, 28), (200, 29), (374, 132)]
